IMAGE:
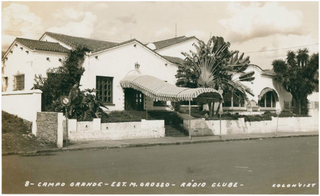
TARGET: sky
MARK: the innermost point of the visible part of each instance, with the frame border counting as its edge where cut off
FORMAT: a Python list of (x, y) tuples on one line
[(265, 31)]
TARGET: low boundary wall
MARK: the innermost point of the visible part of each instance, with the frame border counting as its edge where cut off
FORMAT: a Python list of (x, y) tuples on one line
[(95, 130), (202, 127), (24, 104)]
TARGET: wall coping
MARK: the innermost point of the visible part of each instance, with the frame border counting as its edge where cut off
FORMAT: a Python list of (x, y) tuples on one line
[(24, 92)]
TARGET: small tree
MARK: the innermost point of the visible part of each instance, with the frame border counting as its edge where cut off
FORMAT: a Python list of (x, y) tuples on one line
[(214, 66), (64, 82), (298, 76)]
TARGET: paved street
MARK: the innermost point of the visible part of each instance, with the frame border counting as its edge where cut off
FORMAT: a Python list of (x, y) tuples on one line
[(251, 166)]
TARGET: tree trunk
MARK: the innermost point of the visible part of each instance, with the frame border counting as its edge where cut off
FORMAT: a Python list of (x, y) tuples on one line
[(211, 108), (298, 105)]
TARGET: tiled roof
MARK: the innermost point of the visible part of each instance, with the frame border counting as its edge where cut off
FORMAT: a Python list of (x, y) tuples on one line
[(99, 45), (42, 45), (175, 60), (92, 44), (169, 42)]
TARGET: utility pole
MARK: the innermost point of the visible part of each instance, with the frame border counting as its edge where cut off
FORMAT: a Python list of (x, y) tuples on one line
[(175, 30)]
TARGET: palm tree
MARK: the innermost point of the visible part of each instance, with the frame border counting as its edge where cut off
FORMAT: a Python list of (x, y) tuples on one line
[(291, 58), (303, 57), (215, 67)]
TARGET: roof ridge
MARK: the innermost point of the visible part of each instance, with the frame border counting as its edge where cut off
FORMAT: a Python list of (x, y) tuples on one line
[(79, 37), (169, 42), (93, 45), (180, 37)]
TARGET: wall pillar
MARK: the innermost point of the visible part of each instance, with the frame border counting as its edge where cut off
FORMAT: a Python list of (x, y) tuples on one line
[(96, 124), (60, 131)]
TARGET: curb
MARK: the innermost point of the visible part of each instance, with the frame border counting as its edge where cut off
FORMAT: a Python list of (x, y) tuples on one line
[(64, 149)]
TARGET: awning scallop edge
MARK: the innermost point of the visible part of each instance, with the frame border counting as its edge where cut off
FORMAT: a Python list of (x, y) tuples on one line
[(157, 89)]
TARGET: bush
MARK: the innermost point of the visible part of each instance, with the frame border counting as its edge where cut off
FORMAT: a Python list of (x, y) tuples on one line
[(59, 81), (285, 114), (122, 116), (135, 116)]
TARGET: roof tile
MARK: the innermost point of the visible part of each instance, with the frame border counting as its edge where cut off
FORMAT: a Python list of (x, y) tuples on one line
[(169, 42), (175, 60), (42, 45), (92, 44)]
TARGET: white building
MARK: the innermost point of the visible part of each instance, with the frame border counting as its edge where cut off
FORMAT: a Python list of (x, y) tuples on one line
[(109, 62)]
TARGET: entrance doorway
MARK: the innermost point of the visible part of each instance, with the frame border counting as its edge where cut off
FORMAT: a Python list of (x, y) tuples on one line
[(134, 100)]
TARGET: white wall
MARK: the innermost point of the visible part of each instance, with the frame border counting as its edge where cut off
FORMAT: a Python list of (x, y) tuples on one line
[(118, 62), (260, 82), (85, 131), (175, 50), (29, 64), (24, 104), (202, 127)]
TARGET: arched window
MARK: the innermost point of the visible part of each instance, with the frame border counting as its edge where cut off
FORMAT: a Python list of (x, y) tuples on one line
[(268, 100), (233, 99)]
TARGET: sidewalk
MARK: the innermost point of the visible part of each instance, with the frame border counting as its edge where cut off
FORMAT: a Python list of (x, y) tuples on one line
[(171, 141)]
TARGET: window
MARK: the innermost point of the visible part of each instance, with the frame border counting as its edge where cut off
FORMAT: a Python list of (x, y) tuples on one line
[(19, 82), (5, 83), (233, 100), (104, 87), (268, 100)]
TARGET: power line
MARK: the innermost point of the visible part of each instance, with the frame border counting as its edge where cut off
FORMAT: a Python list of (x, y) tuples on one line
[(275, 49)]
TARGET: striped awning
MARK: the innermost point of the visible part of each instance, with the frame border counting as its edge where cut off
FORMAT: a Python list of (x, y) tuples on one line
[(160, 90), (267, 89)]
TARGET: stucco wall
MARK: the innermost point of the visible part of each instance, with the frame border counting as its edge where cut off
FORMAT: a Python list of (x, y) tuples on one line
[(118, 62), (86, 131), (30, 64), (199, 127), (260, 82), (24, 104), (49, 127)]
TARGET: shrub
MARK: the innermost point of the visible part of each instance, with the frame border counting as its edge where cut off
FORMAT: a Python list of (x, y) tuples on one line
[(121, 116)]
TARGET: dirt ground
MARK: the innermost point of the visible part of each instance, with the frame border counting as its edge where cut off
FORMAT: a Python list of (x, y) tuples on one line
[(17, 136)]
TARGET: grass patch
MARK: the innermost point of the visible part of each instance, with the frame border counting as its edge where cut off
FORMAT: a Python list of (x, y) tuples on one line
[(124, 116), (17, 136)]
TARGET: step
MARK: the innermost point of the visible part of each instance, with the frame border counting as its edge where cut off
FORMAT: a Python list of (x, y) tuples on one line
[(175, 131)]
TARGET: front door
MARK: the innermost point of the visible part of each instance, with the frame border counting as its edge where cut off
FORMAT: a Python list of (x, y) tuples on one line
[(134, 99)]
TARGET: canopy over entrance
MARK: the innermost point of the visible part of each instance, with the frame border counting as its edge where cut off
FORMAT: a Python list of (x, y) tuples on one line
[(160, 90)]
